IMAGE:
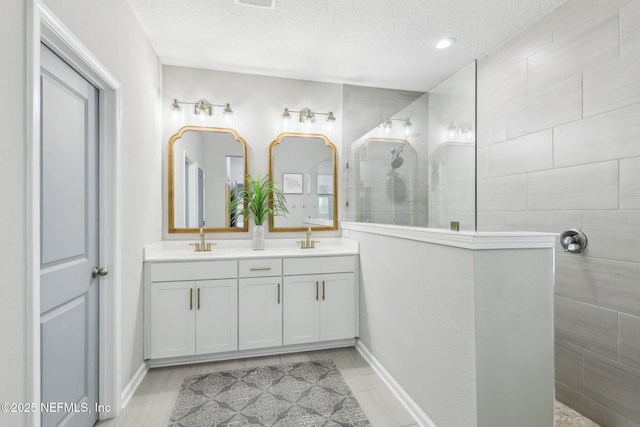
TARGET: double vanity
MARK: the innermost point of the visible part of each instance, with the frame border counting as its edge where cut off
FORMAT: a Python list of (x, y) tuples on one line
[(237, 302)]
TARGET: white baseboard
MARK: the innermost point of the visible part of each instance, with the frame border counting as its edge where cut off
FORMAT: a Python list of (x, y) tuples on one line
[(413, 408), (134, 383)]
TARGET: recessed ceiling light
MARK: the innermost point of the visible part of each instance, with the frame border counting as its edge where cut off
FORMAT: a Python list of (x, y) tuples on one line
[(445, 43)]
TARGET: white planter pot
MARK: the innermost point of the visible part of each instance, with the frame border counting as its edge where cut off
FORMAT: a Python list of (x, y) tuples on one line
[(258, 238)]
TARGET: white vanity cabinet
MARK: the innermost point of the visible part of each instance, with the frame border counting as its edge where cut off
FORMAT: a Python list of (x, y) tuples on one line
[(260, 303), (191, 317), (319, 296), (241, 303)]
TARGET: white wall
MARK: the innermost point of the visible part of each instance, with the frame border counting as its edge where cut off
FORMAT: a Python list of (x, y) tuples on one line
[(258, 102), (417, 318), (559, 148), (467, 333), (13, 257)]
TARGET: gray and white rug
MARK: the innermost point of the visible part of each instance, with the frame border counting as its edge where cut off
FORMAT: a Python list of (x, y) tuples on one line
[(301, 394)]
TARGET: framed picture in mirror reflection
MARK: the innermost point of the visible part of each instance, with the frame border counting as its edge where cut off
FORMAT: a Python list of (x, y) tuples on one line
[(292, 183)]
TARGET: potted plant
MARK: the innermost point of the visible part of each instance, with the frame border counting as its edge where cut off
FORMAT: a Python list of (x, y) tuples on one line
[(259, 199)]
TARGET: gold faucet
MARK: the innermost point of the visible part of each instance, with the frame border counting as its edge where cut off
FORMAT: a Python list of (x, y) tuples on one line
[(202, 246), (308, 243)]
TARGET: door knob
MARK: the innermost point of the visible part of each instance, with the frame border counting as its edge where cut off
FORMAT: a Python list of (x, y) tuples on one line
[(99, 272)]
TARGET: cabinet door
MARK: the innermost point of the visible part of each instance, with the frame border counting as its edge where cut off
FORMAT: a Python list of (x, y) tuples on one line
[(172, 319), (337, 311), (216, 304), (301, 311), (260, 312)]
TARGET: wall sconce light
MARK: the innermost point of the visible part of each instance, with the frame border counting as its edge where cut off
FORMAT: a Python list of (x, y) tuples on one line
[(307, 117), (203, 109), (460, 133), (388, 124)]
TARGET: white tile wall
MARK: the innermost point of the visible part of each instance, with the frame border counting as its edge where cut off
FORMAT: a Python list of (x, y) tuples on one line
[(574, 16), (587, 326), (630, 340), (609, 284), (582, 102), (630, 28), (528, 153), (613, 235), (630, 183), (548, 105), (612, 85), (591, 186), (594, 46), (607, 136), (533, 39), (503, 194)]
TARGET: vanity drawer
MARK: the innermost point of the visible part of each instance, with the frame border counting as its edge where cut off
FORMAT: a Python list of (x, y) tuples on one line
[(260, 267), (319, 265), (194, 270)]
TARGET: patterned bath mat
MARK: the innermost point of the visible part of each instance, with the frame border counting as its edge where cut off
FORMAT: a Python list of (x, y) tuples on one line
[(301, 394)]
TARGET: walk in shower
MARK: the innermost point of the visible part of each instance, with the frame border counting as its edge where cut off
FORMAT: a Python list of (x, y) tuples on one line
[(416, 167)]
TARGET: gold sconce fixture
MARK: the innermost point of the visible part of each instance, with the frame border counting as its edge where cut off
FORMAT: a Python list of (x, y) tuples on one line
[(388, 124), (203, 108), (307, 117)]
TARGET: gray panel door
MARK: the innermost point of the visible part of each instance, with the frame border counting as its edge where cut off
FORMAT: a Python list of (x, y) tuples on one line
[(69, 244)]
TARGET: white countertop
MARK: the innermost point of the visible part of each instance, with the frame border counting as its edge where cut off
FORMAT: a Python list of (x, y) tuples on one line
[(167, 251)]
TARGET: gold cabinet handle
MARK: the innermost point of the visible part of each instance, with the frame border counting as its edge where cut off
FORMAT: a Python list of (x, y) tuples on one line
[(323, 290), (278, 293), (190, 298), (316, 290), (260, 269), (198, 298)]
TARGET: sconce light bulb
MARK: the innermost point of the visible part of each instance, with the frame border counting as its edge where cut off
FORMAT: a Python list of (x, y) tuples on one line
[(286, 118), (407, 126), (175, 105), (451, 131)]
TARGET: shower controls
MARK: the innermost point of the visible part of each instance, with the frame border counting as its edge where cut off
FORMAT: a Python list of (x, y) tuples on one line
[(573, 241)]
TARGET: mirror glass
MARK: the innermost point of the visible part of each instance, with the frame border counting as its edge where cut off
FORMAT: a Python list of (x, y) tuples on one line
[(304, 167), (206, 165)]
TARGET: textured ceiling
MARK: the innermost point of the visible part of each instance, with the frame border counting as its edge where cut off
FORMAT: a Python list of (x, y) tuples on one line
[(380, 43)]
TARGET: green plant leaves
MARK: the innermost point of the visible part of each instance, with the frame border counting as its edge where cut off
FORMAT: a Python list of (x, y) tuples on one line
[(259, 199)]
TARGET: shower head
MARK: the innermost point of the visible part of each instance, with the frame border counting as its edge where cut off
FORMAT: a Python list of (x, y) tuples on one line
[(397, 161)]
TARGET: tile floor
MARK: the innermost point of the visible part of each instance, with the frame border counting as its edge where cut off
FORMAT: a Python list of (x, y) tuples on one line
[(152, 403), (567, 417)]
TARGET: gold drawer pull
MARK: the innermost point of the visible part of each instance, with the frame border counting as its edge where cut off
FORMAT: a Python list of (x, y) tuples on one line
[(198, 298), (278, 293), (190, 298), (260, 269), (323, 290), (316, 290)]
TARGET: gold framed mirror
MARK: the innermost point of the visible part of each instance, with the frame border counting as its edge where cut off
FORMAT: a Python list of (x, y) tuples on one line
[(305, 168), (205, 166)]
